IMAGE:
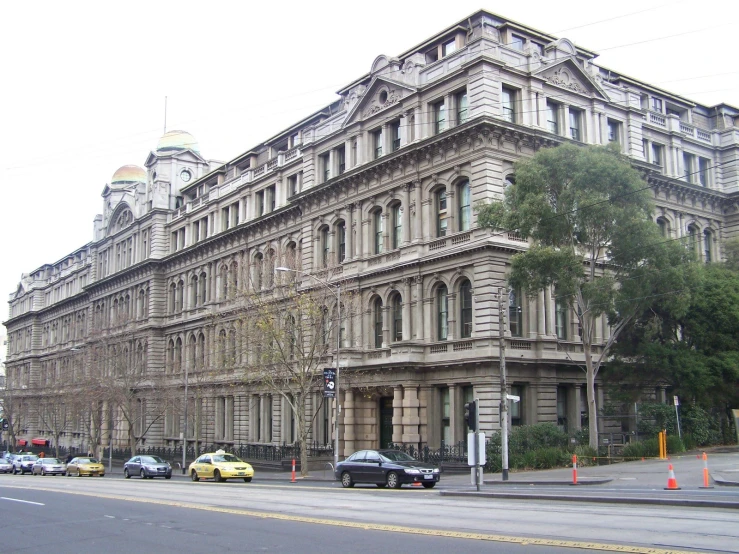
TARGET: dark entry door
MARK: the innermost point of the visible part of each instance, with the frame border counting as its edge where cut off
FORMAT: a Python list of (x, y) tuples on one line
[(386, 421)]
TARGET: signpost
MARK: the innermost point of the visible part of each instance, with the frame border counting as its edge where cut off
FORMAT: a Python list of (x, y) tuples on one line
[(677, 416)]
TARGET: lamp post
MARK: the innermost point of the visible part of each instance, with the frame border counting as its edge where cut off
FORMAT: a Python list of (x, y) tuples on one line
[(337, 294), (184, 436)]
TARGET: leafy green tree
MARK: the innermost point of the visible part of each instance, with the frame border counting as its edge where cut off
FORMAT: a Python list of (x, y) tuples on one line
[(695, 351), (588, 213)]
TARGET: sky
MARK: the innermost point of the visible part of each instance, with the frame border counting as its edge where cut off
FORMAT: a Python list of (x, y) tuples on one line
[(84, 83)]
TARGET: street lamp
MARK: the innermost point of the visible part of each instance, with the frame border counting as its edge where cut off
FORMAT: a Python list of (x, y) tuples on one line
[(337, 294)]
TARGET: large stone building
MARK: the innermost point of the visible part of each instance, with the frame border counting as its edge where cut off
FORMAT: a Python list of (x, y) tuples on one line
[(376, 191)]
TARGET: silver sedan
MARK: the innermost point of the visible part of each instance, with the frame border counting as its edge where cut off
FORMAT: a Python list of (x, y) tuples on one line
[(5, 466), (49, 466)]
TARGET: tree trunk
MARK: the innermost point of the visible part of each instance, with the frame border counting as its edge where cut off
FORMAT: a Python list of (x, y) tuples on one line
[(592, 408), (303, 442)]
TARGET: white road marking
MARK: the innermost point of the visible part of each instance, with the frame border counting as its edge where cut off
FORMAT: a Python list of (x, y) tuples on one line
[(110, 517), (24, 501)]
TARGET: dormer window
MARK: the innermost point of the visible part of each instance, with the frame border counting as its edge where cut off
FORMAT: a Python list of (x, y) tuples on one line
[(657, 105), (517, 42), (449, 47)]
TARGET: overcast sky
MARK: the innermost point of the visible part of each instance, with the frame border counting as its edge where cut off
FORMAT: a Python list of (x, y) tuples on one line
[(83, 83)]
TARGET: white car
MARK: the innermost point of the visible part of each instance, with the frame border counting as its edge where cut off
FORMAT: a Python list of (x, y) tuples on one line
[(49, 466), (23, 463), (5, 466)]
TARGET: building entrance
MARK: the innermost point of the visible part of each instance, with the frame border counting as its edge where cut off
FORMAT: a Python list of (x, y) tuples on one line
[(386, 421)]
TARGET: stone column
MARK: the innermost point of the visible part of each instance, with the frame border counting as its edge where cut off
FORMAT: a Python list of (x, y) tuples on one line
[(418, 220), (407, 309), (397, 414), (451, 316), (427, 318), (455, 422), (349, 421), (385, 325), (406, 221), (349, 232), (541, 324), (419, 327), (549, 300), (262, 436), (360, 149), (411, 420)]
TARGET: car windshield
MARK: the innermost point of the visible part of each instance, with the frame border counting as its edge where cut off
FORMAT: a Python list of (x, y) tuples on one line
[(87, 461), (225, 458), (31, 458), (51, 461), (396, 456), (152, 460)]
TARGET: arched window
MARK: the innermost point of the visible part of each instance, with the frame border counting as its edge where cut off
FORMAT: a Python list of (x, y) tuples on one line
[(258, 268), (664, 226), (378, 231), (140, 307), (192, 346), (441, 212), (340, 241), (269, 269), (397, 307), (324, 246), (233, 278), (694, 239), (223, 276), (560, 314), (442, 313), (201, 351), (509, 181), (170, 356), (290, 335), (221, 348), (202, 284), (194, 300), (707, 245), (232, 348), (396, 237), (140, 367), (180, 295), (465, 205), (178, 355), (377, 320), (127, 307), (465, 309), (515, 313)]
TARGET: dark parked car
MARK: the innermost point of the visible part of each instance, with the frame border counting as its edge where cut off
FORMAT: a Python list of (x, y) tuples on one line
[(390, 468), (147, 466)]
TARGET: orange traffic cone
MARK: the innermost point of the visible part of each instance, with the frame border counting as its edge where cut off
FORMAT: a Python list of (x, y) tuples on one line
[(671, 481)]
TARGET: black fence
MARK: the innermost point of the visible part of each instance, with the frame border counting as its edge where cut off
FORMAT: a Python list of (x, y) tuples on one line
[(447, 453)]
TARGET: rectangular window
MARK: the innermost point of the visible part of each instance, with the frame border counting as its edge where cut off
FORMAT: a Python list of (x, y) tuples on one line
[(517, 42), (395, 134), (461, 102), (341, 238), (508, 103), (689, 167), (377, 143), (341, 157), (614, 131), (270, 198), (657, 150), (260, 203), (515, 314), (553, 118), (441, 221), (225, 221), (656, 105), (703, 165), (575, 124), (378, 224), (449, 47), (562, 408), (560, 315), (397, 212), (326, 166), (439, 111), (515, 409)]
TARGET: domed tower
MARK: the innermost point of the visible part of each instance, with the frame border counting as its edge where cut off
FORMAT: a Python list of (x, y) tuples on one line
[(124, 199), (128, 175), (174, 164)]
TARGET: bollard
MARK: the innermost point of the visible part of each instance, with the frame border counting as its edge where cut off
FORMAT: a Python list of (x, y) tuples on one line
[(293, 479), (706, 484), (574, 469)]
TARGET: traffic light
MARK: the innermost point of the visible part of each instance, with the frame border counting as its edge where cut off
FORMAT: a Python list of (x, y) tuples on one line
[(470, 414), (4, 424)]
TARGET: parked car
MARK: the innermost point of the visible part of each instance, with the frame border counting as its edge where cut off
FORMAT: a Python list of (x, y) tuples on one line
[(5, 466), (390, 468), (220, 466), (49, 466), (23, 463), (147, 466), (84, 465)]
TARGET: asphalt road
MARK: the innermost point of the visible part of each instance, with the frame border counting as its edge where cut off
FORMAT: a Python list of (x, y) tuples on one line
[(274, 516)]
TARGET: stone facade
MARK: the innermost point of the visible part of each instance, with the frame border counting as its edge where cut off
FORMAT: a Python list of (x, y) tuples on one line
[(375, 191)]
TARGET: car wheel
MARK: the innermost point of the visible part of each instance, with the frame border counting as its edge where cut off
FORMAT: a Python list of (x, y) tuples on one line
[(428, 485), (143, 474), (217, 476), (247, 479), (43, 473), (392, 480), (126, 475), (194, 476), (346, 480)]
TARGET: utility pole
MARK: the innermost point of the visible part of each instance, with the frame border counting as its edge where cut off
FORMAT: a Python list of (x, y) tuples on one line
[(502, 307)]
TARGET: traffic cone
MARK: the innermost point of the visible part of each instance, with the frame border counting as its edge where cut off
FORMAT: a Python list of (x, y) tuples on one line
[(671, 481)]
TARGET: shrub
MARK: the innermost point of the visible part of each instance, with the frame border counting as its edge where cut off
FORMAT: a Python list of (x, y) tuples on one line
[(643, 449)]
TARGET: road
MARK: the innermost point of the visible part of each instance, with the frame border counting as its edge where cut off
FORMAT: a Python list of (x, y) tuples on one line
[(180, 515)]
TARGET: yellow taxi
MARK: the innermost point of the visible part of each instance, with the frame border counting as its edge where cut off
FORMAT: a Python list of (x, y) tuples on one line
[(220, 466), (84, 465)]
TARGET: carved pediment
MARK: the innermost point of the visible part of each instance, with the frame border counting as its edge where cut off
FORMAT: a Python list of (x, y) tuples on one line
[(569, 75), (381, 94)]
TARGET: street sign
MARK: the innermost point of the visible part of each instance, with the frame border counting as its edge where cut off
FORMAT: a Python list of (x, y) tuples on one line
[(676, 400), (329, 382)]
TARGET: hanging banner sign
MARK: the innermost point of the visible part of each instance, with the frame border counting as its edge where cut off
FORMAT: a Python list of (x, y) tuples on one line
[(329, 382)]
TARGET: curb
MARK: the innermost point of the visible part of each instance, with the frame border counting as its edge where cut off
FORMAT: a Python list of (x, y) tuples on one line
[(723, 482), (599, 499), (601, 481)]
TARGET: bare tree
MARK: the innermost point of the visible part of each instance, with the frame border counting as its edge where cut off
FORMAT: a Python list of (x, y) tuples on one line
[(285, 323)]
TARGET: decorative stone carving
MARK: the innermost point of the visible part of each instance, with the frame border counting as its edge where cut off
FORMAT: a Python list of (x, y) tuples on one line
[(563, 78), (393, 97)]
